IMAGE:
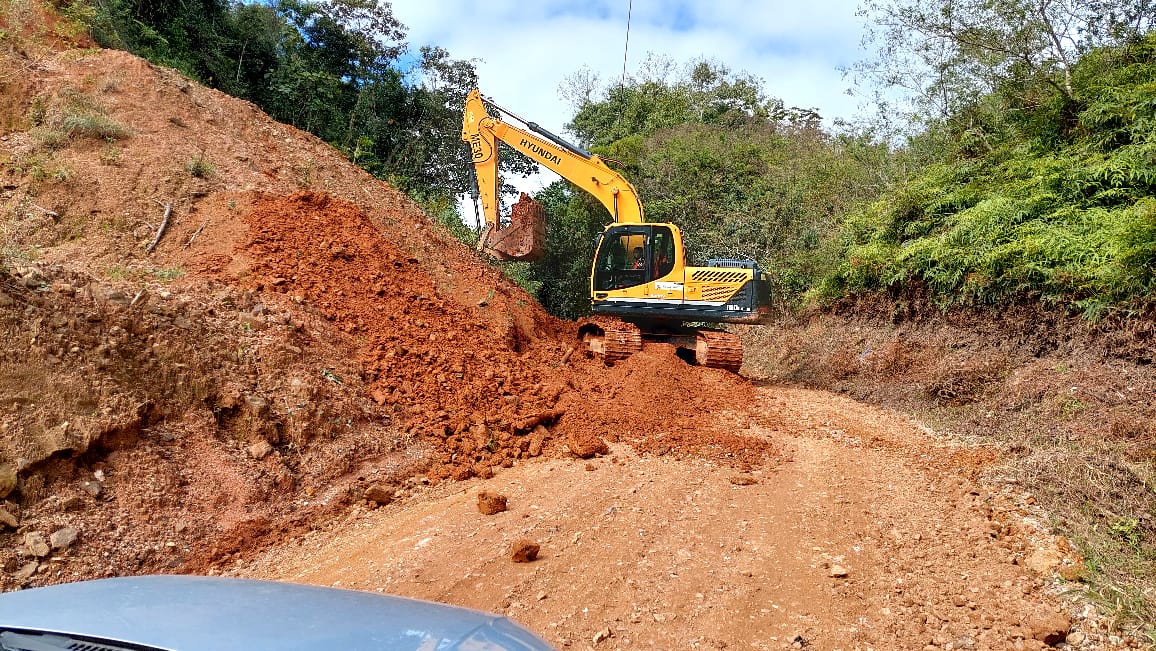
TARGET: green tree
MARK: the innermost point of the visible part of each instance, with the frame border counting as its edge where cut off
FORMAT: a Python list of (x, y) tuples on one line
[(946, 58), (663, 95), (563, 274)]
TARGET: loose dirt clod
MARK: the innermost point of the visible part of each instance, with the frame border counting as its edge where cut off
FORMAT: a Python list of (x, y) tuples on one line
[(7, 519), (1049, 627), (490, 503), (36, 545), (585, 446), (379, 494), (7, 479), (260, 450), (63, 538), (524, 551)]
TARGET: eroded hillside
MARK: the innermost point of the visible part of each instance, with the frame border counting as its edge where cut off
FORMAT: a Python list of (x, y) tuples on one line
[(300, 332)]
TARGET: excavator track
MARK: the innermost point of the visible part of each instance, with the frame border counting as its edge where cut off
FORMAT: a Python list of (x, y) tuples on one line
[(610, 339), (622, 342), (719, 350)]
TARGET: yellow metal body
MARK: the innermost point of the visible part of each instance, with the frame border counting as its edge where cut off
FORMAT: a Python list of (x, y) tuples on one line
[(709, 284), (640, 273), (482, 132)]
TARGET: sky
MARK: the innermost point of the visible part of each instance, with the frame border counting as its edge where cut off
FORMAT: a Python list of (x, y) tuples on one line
[(525, 49)]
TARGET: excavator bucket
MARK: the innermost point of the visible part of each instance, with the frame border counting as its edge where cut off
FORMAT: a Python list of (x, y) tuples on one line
[(524, 238)]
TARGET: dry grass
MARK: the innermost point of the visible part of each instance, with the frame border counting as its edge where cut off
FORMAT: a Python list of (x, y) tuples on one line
[(92, 125), (1106, 505), (16, 16), (69, 116)]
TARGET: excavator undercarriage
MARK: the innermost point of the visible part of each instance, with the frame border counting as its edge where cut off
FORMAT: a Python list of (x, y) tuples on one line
[(612, 340)]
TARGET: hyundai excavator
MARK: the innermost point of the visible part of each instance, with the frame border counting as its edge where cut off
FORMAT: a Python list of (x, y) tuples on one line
[(641, 287)]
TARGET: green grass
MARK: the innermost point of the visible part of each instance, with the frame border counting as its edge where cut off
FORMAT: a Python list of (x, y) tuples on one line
[(48, 138), (168, 275), (91, 125), (200, 167), (72, 115), (110, 155)]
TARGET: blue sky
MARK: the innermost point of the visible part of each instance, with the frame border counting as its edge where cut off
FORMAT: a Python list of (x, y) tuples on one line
[(525, 49)]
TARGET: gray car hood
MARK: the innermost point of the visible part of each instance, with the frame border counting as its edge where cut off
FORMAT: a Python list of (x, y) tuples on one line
[(187, 613)]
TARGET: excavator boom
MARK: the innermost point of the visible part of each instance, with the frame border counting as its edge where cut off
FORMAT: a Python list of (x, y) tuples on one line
[(524, 237)]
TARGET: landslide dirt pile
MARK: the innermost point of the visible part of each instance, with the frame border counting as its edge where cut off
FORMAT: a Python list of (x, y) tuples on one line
[(152, 420), (481, 387), (658, 404), (466, 379), (301, 332)]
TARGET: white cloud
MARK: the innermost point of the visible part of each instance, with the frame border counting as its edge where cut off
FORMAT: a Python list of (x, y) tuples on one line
[(527, 49)]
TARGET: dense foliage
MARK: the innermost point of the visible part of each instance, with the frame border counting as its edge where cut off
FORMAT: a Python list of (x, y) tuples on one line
[(1047, 195), (339, 69)]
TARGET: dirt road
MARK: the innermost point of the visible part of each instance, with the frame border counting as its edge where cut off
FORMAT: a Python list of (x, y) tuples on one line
[(860, 540)]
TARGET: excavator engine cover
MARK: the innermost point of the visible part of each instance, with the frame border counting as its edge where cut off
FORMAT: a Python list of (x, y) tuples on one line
[(524, 238)]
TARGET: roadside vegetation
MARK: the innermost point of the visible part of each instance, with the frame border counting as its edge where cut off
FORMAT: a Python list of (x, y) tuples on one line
[(1045, 195)]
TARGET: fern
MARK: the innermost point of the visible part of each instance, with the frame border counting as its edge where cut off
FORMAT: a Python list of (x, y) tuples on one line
[(1067, 217)]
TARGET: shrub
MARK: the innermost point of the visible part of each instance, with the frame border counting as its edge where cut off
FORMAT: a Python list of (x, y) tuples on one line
[(91, 125)]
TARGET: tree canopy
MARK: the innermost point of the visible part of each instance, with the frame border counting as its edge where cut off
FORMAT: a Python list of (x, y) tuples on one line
[(340, 69)]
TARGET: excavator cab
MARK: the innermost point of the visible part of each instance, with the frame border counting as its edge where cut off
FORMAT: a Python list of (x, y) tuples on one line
[(628, 256)]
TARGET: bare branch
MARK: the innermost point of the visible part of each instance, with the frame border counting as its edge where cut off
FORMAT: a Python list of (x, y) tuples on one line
[(161, 231)]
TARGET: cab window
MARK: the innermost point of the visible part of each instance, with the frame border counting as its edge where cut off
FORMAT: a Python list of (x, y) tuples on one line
[(662, 258), (623, 259), (633, 255)]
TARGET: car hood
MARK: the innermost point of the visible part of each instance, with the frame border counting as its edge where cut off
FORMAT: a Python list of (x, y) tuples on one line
[(187, 613)]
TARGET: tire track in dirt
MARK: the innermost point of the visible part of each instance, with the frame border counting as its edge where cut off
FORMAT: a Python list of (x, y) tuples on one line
[(663, 553)]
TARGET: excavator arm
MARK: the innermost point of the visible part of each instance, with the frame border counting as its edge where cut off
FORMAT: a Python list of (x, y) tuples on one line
[(524, 238)]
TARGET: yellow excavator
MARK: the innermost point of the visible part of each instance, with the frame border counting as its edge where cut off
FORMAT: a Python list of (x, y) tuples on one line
[(641, 287)]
